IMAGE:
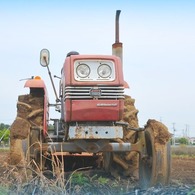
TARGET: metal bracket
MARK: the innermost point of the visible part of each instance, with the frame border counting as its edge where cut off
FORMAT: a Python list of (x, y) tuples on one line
[(129, 127)]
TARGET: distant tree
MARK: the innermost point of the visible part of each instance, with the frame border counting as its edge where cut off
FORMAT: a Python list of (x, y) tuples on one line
[(4, 126), (4, 132), (183, 140), (4, 135)]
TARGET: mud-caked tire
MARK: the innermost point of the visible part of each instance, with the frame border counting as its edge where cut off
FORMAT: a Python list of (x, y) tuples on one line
[(26, 130), (124, 163), (155, 167)]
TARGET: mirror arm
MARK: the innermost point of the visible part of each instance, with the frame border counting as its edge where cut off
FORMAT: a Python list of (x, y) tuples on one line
[(57, 99)]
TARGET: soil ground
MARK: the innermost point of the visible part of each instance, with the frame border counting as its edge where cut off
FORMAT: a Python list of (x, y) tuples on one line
[(183, 172)]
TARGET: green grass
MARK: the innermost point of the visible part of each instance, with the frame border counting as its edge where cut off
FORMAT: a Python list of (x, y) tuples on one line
[(3, 190)]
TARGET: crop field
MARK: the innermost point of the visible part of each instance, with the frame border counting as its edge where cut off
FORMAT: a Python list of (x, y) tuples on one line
[(14, 180)]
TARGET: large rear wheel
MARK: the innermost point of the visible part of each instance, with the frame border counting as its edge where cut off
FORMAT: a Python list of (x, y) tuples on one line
[(124, 163), (155, 167)]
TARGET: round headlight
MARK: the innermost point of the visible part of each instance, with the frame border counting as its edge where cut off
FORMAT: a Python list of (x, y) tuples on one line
[(104, 70), (83, 70)]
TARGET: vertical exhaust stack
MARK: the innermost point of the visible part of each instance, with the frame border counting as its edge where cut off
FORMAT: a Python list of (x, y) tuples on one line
[(117, 47)]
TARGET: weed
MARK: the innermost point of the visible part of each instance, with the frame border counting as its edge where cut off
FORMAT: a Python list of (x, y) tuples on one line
[(3, 190), (80, 179), (103, 180), (191, 192)]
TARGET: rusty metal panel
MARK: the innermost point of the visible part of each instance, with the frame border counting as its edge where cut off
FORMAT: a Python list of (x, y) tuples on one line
[(95, 132)]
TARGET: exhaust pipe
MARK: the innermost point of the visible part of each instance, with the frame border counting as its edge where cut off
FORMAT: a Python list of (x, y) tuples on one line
[(117, 47)]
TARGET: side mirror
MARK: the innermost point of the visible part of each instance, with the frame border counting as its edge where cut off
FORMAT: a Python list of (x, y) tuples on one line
[(44, 57)]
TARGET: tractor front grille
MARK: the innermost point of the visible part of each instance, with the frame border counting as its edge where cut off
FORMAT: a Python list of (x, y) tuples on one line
[(98, 92)]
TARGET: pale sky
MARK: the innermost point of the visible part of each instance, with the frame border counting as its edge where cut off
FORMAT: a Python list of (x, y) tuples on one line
[(159, 50)]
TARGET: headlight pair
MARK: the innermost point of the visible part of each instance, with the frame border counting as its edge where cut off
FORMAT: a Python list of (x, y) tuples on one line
[(83, 70)]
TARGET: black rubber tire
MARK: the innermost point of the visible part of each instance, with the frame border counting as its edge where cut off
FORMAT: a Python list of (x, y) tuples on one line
[(156, 167)]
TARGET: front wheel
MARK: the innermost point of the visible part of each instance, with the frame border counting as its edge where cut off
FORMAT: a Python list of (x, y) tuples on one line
[(155, 167)]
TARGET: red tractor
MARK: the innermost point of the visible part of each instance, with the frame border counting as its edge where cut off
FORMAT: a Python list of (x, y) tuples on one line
[(98, 125)]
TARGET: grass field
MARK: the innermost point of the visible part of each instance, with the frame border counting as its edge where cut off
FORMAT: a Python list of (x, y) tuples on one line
[(183, 151)]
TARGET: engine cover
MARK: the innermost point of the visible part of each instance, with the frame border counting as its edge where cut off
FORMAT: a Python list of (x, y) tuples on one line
[(93, 110)]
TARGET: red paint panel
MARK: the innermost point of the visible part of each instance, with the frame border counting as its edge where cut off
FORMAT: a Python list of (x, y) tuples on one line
[(96, 110), (67, 110), (35, 83)]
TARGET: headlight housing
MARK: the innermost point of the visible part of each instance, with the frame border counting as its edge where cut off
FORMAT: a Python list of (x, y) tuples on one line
[(104, 71), (94, 70), (83, 70)]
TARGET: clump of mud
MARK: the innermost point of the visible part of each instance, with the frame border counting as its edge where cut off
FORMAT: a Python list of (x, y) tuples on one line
[(130, 112), (160, 131)]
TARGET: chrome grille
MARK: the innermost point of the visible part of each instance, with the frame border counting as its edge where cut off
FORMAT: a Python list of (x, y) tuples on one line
[(107, 92)]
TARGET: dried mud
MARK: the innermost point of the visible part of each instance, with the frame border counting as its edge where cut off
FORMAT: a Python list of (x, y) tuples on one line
[(160, 131)]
